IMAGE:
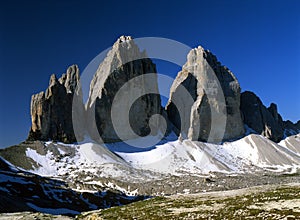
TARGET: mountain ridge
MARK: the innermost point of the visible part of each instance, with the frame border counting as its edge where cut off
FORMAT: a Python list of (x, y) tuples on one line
[(51, 112)]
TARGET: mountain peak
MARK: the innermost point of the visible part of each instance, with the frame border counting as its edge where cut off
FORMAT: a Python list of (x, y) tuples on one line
[(124, 38), (212, 86), (51, 112), (214, 89), (122, 63)]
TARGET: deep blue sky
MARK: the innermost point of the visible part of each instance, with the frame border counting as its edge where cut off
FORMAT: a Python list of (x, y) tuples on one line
[(257, 40)]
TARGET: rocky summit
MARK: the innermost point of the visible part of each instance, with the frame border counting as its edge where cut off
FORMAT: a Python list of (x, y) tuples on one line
[(215, 94), (265, 121), (124, 65), (51, 111), (205, 104)]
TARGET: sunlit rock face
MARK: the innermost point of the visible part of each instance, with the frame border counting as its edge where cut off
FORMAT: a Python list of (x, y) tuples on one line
[(214, 114), (51, 111)]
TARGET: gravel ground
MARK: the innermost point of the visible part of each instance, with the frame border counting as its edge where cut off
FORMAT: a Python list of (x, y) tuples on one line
[(186, 184), (263, 195), (259, 202)]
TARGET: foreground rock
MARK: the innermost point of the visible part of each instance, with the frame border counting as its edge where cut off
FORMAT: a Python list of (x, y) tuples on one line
[(123, 63), (265, 121), (269, 201), (51, 111), (216, 99)]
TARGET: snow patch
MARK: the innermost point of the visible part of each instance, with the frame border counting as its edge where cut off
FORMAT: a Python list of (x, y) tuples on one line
[(175, 157), (46, 162)]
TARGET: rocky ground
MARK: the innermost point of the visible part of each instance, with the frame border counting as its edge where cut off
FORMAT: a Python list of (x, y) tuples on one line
[(218, 196), (187, 184), (274, 201), (263, 202)]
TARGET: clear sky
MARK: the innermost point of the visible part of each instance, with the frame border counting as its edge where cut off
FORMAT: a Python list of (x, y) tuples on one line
[(258, 40)]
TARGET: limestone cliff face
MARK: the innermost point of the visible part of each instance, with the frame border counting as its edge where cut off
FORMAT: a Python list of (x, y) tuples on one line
[(207, 81), (205, 102), (51, 111), (265, 121), (123, 63)]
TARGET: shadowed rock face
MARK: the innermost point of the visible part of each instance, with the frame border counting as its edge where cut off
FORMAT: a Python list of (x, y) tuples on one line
[(265, 121), (259, 118), (122, 63), (207, 81), (51, 111), (290, 128)]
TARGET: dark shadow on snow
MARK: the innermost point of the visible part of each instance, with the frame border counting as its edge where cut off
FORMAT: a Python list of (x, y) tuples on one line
[(23, 191)]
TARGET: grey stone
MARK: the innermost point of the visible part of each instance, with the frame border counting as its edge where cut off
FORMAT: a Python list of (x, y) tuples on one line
[(215, 94), (51, 111), (123, 63), (265, 121)]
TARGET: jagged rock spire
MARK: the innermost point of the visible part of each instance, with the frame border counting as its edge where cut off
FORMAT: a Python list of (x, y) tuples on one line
[(51, 111), (123, 62), (201, 76)]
